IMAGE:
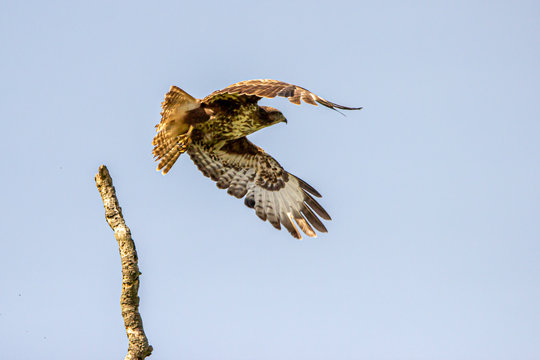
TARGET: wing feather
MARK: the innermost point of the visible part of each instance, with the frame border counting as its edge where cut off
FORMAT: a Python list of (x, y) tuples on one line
[(259, 204), (271, 212), (313, 219), (287, 222), (276, 195), (304, 185), (313, 204), (268, 88), (304, 225)]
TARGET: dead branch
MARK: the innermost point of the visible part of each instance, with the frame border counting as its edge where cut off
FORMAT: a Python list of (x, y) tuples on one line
[(129, 301)]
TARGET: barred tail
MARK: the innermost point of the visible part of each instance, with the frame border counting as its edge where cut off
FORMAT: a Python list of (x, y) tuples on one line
[(172, 136)]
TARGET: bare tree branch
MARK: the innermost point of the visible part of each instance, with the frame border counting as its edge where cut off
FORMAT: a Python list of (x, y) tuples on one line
[(129, 300)]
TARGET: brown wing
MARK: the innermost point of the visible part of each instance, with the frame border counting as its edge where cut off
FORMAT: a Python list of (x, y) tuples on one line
[(271, 88), (276, 195)]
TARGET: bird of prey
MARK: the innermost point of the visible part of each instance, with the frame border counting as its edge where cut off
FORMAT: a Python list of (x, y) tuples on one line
[(213, 132)]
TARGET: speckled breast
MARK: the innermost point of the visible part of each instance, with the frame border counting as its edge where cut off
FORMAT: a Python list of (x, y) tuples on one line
[(229, 125)]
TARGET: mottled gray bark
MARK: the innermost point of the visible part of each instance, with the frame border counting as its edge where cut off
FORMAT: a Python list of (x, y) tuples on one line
[(129, 300)]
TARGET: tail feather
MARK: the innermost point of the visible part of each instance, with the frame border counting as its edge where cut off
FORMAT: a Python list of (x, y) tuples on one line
[(172, 138), (167, 160)]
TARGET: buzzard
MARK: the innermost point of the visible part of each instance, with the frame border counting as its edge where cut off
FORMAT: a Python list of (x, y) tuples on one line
[(213, 132)]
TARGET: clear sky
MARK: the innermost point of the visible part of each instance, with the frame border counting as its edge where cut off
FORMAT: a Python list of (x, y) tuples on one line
[(434, 188)]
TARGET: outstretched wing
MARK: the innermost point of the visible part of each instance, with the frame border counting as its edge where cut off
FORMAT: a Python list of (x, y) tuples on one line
[(271, 88), (276, 195)]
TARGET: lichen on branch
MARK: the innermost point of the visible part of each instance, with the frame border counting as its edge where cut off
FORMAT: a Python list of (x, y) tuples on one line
[(129, 301)]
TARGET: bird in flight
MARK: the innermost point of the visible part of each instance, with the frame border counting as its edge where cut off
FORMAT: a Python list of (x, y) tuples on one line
[(213, 132)]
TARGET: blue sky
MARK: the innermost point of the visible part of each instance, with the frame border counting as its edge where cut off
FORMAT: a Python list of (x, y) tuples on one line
[(433, 251)]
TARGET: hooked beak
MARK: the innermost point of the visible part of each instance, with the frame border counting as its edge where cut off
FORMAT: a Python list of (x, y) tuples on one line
[(284, 120)]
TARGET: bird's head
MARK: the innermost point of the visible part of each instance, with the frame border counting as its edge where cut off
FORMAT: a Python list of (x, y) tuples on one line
[(272, 116)]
